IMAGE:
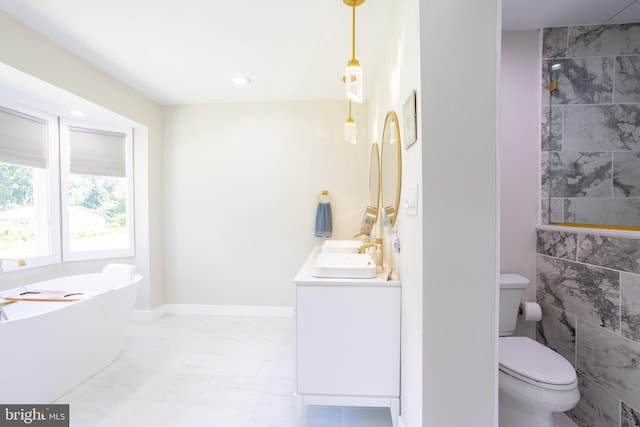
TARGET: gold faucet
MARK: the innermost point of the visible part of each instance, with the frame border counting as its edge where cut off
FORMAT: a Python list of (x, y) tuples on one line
[(379, 258)]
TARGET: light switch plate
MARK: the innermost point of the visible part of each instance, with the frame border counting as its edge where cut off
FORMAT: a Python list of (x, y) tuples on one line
[(411, 199)]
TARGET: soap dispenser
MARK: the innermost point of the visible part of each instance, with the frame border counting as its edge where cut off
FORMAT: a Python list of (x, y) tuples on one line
[(379, 257)]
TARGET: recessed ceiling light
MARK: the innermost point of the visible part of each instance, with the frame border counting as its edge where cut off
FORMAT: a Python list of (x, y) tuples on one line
[(77, 113), (241, 80)]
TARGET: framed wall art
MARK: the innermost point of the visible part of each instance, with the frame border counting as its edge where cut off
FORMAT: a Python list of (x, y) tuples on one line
[(410, 119)]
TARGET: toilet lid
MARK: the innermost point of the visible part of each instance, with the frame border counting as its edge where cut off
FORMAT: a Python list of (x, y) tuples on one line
[(531, 361)]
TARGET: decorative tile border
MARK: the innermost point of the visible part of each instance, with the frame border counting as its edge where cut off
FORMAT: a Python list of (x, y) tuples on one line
[(558, 244), (618, 253)]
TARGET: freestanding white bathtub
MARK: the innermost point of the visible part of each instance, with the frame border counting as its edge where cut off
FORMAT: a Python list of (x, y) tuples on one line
[(48, 348)]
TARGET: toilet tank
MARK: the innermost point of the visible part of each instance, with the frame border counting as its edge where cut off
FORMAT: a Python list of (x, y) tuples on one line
[(512, 287)]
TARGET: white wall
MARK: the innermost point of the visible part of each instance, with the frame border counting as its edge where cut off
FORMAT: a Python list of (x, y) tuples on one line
[(520, 95), (399, 76), (25, 50), (459, 51), (241, 182)]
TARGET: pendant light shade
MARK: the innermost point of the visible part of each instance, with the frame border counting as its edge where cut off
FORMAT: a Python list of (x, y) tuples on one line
[(350, 128), (353, 73), (353, 80)]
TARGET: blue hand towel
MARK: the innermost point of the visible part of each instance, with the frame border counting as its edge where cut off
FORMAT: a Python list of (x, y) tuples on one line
[(324, 224)]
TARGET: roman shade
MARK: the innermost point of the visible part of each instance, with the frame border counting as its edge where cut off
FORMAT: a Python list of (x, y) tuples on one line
[(23, 139), (96, 152)]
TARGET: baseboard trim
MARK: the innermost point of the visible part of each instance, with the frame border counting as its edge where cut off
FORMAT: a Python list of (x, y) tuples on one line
[(212, 310)]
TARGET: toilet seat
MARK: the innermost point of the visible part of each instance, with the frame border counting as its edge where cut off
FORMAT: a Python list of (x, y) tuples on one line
[(533, 363)]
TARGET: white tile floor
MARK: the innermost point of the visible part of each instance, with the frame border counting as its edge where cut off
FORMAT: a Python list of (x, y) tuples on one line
[(183, 371)]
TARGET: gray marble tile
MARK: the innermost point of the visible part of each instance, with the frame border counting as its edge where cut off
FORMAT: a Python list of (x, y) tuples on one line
[(551, 128), (611, 361), (619, 253), (545, 174), (559, 244), (604, 40), (601, 127), (588, 292), (629, 416), (580, 174), (626, 174), (543, 211), (630, 306), (551, 211), (596, 406), (581, 81), (557, 331), (614, 212), (627, 78), (554, 42), (556, 212)]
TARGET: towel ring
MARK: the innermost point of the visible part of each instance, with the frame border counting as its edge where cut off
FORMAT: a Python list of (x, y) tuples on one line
[(324, 193)]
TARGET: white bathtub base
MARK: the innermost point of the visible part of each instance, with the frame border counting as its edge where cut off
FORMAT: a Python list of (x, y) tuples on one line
[(47, 354)]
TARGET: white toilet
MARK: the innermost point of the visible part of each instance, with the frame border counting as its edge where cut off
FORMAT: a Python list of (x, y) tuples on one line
[(534, 381)]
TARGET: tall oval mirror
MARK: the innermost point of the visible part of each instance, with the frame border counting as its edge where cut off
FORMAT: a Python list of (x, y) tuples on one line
[(374, 179), (391, 169), (371, 213)]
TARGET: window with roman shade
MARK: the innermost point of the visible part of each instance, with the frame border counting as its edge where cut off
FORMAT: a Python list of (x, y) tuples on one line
[(29, 191), (97, 191)]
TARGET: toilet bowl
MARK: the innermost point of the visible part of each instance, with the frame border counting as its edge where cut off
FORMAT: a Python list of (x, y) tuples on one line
[(533, 380)]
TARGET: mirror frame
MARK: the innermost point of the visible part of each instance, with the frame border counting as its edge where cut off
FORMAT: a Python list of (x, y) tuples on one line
[(391, 206)]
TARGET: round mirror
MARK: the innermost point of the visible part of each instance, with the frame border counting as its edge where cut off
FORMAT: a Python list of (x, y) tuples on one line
[(374, 179), (391, 169)]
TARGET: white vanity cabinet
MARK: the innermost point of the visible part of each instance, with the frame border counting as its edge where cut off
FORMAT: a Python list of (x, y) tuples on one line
[(347, 342)]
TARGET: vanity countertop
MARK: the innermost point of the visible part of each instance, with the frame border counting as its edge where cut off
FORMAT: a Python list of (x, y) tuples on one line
[(304, 276)]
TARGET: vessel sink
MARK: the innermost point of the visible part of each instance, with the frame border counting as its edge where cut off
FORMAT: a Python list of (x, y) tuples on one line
[(340, 246), (344, 266)]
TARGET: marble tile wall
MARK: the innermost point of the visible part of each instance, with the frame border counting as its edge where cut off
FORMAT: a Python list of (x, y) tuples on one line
[(589, 288), (590, 126)]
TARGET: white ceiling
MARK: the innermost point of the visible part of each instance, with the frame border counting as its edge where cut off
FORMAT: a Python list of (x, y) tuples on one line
[(187, 51)]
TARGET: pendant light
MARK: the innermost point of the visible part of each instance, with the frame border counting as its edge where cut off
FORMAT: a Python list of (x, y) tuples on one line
[(353, 74), (350, 128)]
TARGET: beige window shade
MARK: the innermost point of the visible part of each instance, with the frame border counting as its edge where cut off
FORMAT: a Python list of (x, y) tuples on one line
[(94, 152), (23, 139)]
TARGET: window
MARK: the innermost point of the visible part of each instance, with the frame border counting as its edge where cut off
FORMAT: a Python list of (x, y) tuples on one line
[(28, 193), (66, 189), (97, 192)]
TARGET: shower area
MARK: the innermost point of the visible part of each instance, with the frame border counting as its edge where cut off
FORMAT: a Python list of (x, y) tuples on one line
[(588, 278), (591, 126)]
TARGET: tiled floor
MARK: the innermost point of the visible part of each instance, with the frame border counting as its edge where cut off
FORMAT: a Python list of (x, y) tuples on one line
[(183, 371)]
